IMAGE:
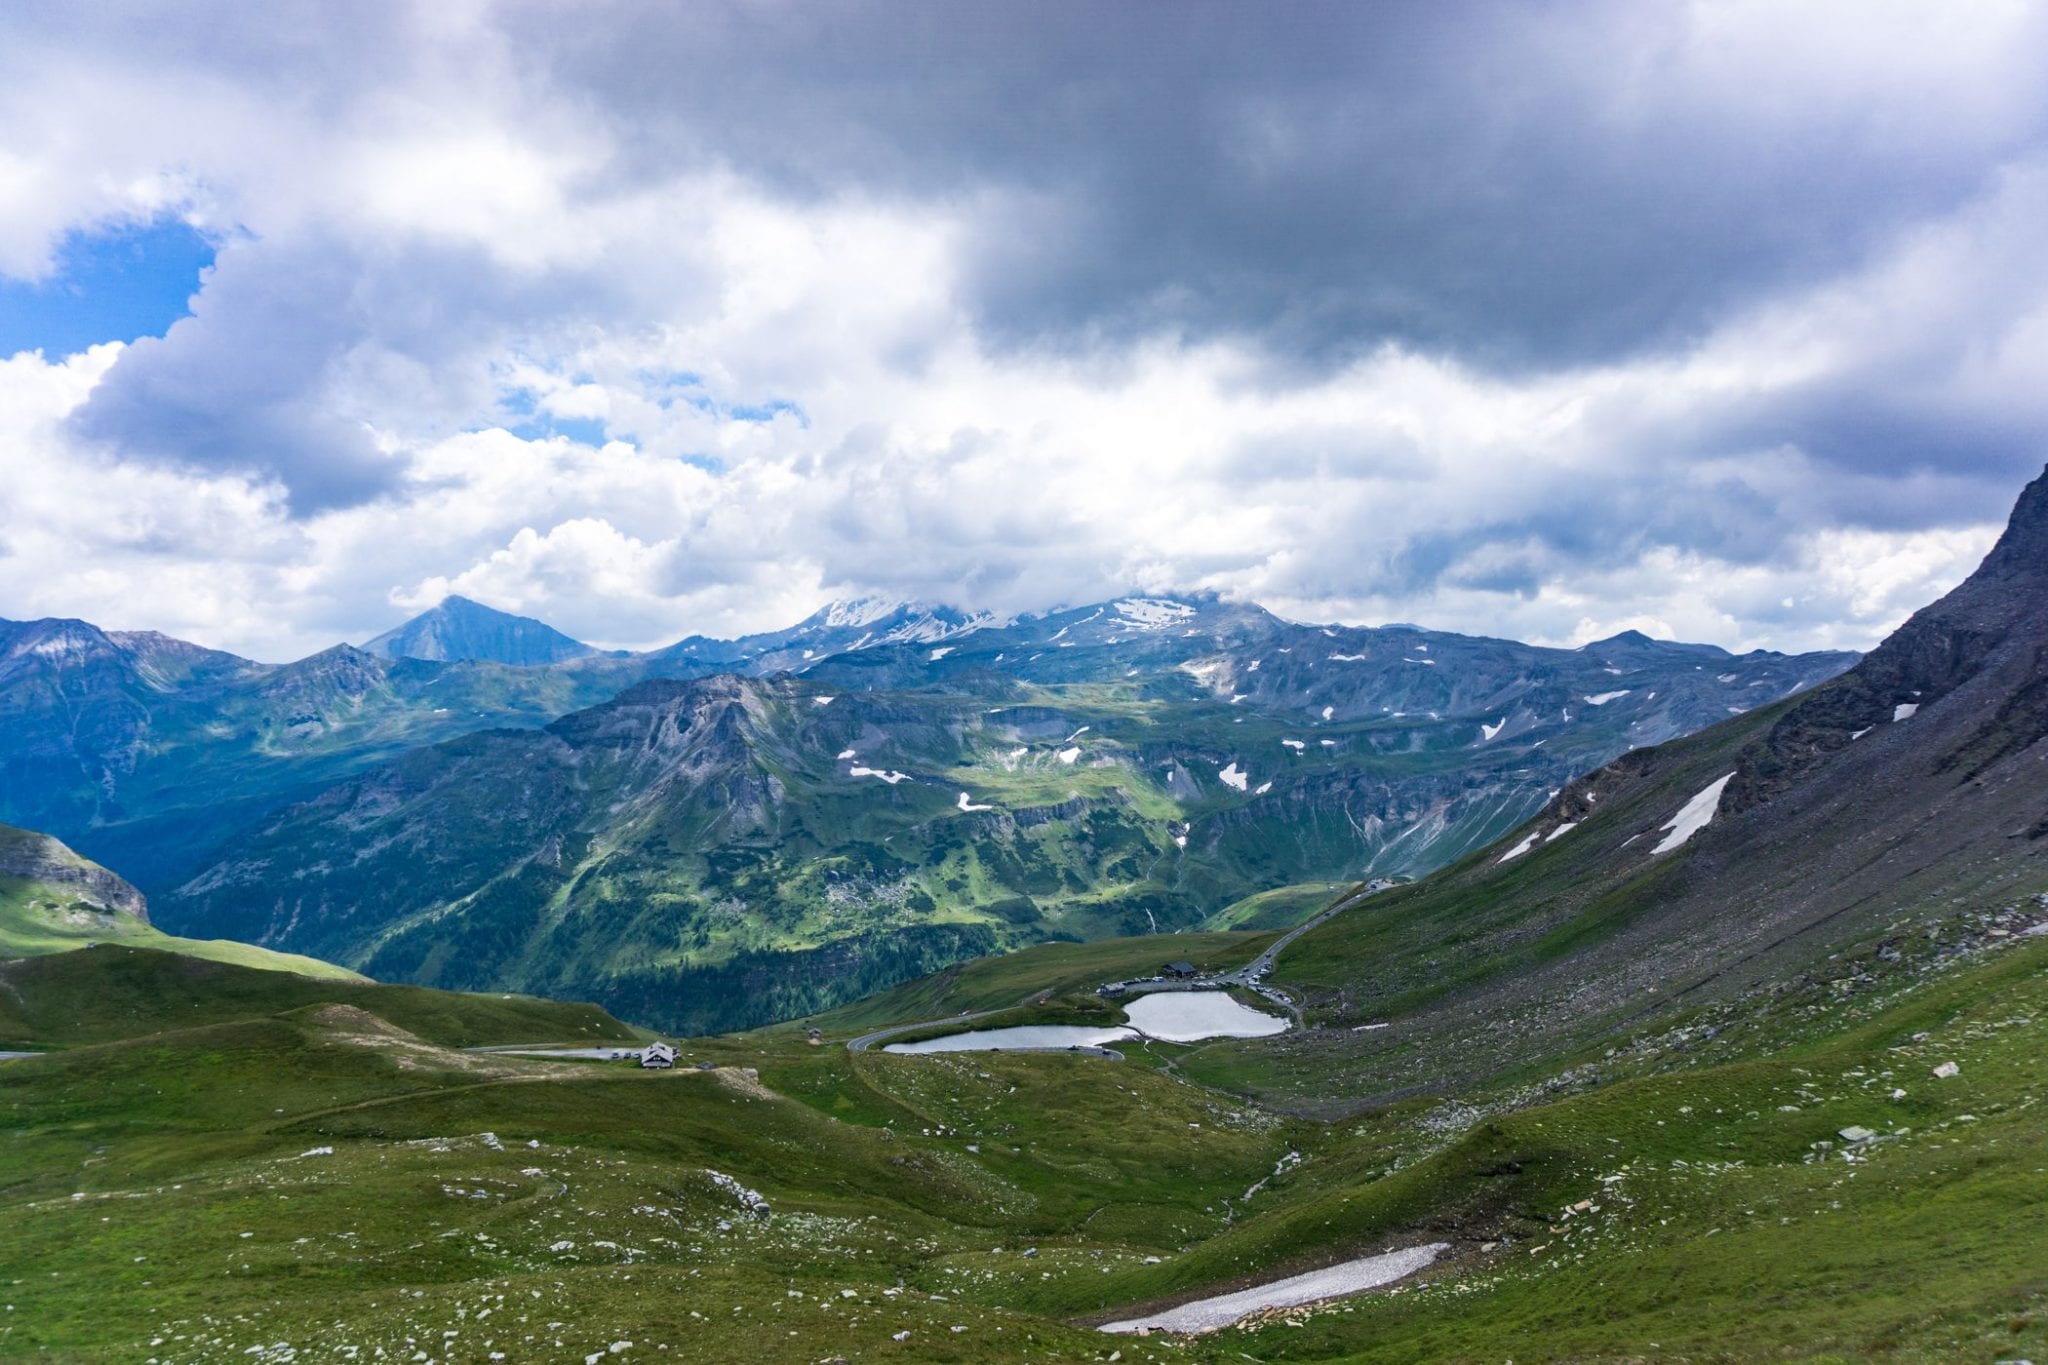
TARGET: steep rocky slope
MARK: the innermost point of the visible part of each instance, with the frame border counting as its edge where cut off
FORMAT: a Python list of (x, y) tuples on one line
[(36, 859), (1907, 798)]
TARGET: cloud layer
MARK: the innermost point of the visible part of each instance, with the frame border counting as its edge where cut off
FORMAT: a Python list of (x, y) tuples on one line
[(1543, 321)]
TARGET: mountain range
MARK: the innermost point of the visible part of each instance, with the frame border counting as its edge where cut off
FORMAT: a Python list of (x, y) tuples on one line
[(759, 828)]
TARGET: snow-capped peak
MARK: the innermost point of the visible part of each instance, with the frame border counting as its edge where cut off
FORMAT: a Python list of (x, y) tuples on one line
[(865, 611), (1151, 613), (895, 621)]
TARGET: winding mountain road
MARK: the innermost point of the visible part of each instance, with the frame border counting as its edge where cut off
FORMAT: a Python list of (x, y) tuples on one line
[(1250, 977)]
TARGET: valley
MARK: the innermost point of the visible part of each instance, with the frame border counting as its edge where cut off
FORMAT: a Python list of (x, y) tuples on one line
[(725, 842), (1732, 1044)]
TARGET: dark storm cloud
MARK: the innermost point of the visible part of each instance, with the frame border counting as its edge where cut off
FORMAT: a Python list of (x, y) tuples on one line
[(1518, 185)]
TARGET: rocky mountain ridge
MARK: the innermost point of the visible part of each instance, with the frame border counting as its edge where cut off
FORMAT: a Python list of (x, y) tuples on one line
[(1846, 822)]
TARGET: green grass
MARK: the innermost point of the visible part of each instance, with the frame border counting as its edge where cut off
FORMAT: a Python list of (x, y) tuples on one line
[(37, 918), (1049, 969), (1281, 908), (907, 1191), (110, 992)]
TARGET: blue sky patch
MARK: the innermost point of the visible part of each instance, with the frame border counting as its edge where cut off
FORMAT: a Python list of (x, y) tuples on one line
[(583, 430), (108, 286)]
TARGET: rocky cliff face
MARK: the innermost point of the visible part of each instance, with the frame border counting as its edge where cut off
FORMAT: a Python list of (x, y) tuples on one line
[(1990, 633), (38, 858)]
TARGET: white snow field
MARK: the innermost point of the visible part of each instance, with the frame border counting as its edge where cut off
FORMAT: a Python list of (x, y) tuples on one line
[(1694, 816), (1519, 849), (1347, 1277)]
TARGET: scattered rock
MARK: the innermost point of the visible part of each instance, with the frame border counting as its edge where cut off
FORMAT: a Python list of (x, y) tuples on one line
[(1946, 1070)]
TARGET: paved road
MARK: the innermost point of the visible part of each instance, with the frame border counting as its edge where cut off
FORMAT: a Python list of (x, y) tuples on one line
[(868, 1040), (1251, 976)]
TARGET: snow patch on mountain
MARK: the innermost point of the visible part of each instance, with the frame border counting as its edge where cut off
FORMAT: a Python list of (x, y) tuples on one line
[(861, 611), (1233, 776), (1151, 613), (1602, 698), (1519, 849), (1694, 816)]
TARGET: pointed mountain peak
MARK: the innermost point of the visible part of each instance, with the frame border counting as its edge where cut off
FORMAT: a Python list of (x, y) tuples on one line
[(459, 628), (2022, 551)]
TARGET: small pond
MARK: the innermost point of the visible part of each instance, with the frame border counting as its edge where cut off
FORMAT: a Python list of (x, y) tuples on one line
[(1172, 1016), (1190, 1016), (1022, 1036)]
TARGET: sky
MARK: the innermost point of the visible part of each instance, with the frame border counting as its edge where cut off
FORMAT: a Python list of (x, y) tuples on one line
[(1721, 321)]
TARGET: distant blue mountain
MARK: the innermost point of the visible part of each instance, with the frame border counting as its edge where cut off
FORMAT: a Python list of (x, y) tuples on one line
[(461, 629)]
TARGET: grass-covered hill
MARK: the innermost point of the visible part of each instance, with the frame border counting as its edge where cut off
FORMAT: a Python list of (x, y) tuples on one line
[(322, 1183), (111, 992), (52, 900)]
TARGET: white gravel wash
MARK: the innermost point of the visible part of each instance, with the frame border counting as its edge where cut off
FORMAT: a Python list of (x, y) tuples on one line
[(1348, 1277)]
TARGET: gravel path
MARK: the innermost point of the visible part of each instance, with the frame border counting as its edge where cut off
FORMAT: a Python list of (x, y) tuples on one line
[(1348, 1277)]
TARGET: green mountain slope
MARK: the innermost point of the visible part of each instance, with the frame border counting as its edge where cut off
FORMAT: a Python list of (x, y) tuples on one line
[(118, 990), (54, 901), (321, 1182), (146, 752), (1851, 818)]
